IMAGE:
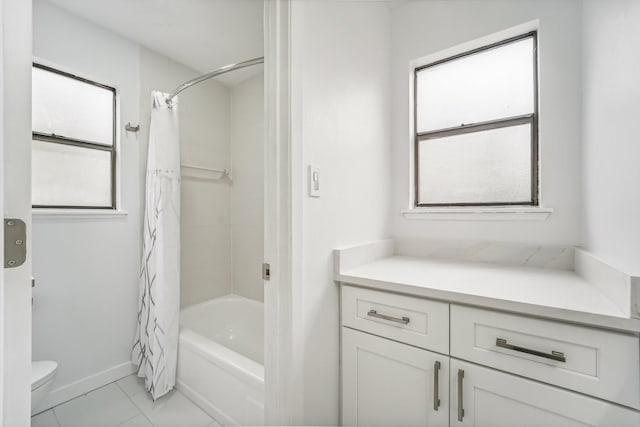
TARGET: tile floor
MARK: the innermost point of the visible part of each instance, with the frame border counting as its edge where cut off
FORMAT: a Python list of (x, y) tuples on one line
[(125, 403)]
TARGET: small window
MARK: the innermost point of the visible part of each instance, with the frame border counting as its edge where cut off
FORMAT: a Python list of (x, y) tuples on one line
[(73, 142), (476, 138)]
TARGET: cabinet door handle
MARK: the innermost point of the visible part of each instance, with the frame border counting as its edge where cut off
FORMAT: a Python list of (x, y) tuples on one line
[(460, 407), (403, 320), (555, 355), (436, 380)]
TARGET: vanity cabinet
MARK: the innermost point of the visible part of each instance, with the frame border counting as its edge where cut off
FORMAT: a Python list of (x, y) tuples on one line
[(409, 361), (386, 383)]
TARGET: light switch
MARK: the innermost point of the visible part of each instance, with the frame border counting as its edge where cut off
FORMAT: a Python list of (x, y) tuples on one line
[(314, 181)]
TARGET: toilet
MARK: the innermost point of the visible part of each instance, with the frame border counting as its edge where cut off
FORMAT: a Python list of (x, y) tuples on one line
[(42, 374)]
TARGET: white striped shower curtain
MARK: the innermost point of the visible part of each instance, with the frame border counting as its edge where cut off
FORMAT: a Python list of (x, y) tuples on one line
[(155, 350)]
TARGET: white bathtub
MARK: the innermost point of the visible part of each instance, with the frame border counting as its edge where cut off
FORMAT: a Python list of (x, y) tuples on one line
[(220, 359)]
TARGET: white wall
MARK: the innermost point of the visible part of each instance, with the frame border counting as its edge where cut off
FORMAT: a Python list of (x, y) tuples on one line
[(247, 213), (204, 142), (611, 149), (344, 77), (87, 269), (424, 27)]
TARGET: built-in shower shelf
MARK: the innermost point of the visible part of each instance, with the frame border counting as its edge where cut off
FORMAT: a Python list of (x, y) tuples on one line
[(209, 174)]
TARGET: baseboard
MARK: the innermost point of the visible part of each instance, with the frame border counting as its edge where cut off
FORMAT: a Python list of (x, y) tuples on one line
[(205, 405), (85, 385)]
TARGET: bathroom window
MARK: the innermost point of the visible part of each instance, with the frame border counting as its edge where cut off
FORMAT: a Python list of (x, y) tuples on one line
[(73, 142), (476, 127)]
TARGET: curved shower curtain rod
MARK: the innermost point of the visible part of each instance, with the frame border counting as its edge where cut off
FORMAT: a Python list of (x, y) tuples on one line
[(218, 72)]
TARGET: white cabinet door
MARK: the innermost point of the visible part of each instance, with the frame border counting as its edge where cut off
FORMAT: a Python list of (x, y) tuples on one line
[(387, 383), (496, 399)]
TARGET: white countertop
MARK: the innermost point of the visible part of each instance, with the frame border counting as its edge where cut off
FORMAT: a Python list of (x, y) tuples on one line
[(556, 294)]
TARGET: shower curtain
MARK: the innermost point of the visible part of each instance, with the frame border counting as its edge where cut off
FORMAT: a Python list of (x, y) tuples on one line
[(155, 350)]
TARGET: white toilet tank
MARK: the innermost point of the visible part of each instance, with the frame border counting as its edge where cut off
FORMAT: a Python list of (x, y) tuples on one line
[(42, 374)]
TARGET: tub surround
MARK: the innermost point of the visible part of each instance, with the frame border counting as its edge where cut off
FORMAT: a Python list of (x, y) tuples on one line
[(593, 293), (246, 201)]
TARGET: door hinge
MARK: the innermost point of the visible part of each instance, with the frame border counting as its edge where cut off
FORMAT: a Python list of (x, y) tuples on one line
[(266, 271), (15, 242)]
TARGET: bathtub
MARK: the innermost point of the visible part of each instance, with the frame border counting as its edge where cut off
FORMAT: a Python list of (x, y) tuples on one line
[(220, 359)]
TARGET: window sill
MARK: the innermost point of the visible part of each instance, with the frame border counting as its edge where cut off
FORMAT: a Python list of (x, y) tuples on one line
[(75, 214), (479, 213)]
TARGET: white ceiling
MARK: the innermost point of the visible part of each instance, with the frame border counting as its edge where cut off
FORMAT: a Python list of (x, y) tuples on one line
[(202, 34)]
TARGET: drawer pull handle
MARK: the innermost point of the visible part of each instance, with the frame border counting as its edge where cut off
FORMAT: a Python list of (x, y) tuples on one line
[(403, 320), (555, 355), (460, 407), (436, 380)]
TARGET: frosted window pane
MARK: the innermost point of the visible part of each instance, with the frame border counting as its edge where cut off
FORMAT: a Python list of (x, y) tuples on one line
[(71, 108), (492, 166), (63, 175), (489, 85)]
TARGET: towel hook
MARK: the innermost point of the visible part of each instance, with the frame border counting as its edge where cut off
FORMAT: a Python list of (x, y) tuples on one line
[(130, 128)]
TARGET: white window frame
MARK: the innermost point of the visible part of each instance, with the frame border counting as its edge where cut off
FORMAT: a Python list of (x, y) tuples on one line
[(475, 212)]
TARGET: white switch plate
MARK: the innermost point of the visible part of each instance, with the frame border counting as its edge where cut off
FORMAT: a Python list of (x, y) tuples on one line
[(314, 181)]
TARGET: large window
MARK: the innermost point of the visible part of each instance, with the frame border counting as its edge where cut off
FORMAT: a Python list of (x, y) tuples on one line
[(73, 143), (476, 130)]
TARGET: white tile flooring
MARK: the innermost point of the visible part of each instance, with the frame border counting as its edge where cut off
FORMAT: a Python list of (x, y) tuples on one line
[(125, 403)]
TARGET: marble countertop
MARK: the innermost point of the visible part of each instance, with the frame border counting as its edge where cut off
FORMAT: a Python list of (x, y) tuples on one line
[(554, 294)]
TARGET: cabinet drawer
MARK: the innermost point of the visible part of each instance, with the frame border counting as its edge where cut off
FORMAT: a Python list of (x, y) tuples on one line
[(595, 362), (419, 322)]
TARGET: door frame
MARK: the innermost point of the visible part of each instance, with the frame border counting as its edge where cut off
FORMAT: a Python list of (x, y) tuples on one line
[(284, 357), (2, 228), (283, 172), (284, 326), (15, 286)]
